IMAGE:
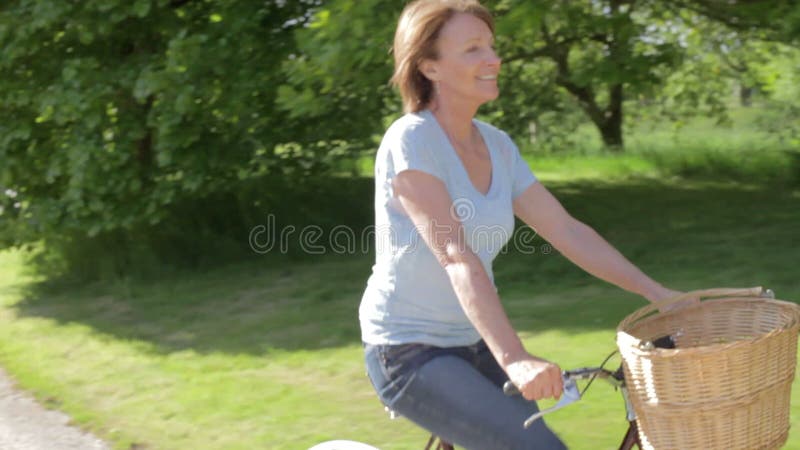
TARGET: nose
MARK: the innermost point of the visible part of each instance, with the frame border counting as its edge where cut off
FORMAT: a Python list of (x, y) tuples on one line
[(493, 60)]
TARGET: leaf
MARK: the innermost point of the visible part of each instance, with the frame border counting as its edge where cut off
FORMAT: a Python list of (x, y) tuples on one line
[(141, 8), (85, 36), (146, 84)]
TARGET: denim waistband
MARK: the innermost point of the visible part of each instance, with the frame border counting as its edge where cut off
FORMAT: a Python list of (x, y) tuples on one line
[(399, 362)]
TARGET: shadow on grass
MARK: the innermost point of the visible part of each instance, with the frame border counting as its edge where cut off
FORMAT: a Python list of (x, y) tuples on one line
[(688, 235)]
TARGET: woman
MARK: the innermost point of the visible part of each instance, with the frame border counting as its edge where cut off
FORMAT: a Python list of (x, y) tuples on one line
[(438, 344)]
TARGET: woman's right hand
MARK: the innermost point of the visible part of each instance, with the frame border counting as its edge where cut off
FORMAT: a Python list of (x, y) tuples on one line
[(536, 378)]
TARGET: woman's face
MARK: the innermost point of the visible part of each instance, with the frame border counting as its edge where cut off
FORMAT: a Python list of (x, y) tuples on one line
[(468, 66)]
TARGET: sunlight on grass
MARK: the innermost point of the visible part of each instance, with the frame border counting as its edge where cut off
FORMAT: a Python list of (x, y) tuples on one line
[(573, 168), (11, 275)]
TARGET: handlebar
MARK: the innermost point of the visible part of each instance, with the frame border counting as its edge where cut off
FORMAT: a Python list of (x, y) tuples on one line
[(616, 378), (571, 394)]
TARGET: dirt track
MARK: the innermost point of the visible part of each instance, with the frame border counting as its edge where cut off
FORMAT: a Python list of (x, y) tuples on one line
[(27, 425)]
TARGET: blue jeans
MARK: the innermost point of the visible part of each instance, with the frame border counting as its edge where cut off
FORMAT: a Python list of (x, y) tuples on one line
[(457, 394)]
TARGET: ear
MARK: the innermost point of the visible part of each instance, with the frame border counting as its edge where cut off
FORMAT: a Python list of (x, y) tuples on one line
[(429, 69)]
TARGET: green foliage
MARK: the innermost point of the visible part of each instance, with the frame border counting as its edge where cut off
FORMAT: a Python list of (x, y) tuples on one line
[(214, 229), (577, 60), (780, 81), (339, 78), (114, 111), (583, 49)]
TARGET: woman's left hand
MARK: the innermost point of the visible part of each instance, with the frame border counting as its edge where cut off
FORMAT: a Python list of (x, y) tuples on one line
[(664, 293)]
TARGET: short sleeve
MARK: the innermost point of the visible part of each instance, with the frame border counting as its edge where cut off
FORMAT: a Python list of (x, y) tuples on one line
[(522, 177), (411, 151)]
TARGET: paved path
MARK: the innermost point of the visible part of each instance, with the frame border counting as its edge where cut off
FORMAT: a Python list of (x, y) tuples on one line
[(27, 425)]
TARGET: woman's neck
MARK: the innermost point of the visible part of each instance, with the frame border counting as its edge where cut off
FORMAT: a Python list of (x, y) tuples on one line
[(455, 119)]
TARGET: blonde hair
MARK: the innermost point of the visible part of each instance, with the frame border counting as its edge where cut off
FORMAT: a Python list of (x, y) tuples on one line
[(415, 40)]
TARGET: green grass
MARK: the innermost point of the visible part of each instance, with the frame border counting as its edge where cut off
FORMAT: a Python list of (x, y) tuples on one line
[(267, 354)]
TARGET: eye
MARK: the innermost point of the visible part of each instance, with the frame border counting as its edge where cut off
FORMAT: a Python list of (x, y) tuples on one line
[(472, 48)]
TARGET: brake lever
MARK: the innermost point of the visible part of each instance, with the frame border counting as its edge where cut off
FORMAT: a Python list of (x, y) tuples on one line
[(570, 394)]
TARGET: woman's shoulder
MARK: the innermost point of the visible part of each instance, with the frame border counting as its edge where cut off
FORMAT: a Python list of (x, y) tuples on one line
[(497, 137), (412, 126)]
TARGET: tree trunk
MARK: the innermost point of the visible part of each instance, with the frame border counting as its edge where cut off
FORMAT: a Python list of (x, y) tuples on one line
[(745, 95), (609, 119), (611, 132), (144, 146), (611, 127)]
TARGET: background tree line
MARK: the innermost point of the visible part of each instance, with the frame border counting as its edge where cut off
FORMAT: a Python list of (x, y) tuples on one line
[(145, 131)]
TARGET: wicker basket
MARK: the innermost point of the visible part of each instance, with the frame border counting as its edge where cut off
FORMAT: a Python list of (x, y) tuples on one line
[(726, 385)]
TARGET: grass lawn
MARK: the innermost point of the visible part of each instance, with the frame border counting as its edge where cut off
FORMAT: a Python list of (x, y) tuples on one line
[(267, 354)]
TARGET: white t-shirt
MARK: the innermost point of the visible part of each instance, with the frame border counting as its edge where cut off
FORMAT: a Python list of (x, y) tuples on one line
[(409, 297)]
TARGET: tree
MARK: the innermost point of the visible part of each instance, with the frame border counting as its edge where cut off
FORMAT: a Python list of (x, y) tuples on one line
[(599, 52), (116, 115), (111, 111), (778, 20)]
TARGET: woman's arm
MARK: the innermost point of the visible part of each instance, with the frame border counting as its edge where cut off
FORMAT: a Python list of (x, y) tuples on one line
[(582, 245), (428, 204)]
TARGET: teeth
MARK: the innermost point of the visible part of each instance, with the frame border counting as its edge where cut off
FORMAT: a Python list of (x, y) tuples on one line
[(488, 77)]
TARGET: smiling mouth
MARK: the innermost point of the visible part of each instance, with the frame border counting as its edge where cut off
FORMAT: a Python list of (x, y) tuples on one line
[(488, 77)]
